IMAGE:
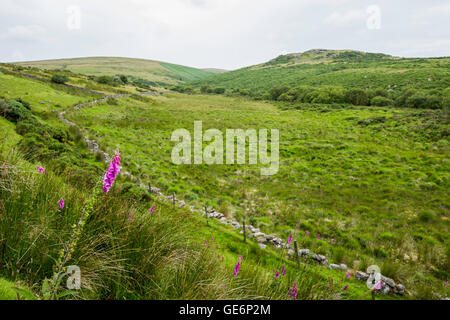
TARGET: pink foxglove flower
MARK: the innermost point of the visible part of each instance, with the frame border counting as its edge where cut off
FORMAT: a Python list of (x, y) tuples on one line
[(293, 291), (283, 271), (298, 225), (61, 203), (290, 239), (151, 209), (378, 286), (348, 275), (318, 236), (346, 287), (41, 170), (307, 233), (238, 266), (112, 173)]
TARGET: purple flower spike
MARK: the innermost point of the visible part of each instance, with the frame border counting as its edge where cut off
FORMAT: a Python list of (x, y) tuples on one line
[(61, 203), (112, 173), (41, 170), (151, 209), (293, 291), (290, 239), (238, 266)]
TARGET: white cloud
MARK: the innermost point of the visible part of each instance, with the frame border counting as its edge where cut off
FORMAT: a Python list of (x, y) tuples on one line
[(346, 19), (24, 32)]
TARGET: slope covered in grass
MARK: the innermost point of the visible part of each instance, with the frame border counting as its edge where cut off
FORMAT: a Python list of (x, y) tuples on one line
[(124, 251), (373, 182), (350, 69), (151, 70)]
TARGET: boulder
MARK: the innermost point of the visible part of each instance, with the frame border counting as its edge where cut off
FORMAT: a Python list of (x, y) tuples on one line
[(303, 252), (343, 266), (261, 240), (334, 266), (385, 289), (399, 289), (388, 281), (262, 246), (359, 275)]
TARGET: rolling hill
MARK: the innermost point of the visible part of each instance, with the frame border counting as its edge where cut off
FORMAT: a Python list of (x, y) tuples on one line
[(347, 68), (151, 70)]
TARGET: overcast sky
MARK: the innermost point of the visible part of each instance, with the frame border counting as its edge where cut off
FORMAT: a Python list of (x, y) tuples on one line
[(224, 34)]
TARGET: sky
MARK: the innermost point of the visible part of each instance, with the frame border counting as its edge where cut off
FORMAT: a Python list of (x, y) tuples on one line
[(226, 34)]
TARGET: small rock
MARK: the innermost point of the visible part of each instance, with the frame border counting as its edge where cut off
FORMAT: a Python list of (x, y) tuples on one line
[(261, 240), (344, 267), (359, 275), (303, 252), (262, 246), (388, 281), (399, 289), (334, 266)]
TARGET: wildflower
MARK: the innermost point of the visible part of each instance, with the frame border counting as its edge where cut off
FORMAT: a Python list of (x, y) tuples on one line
[(338, 298), (283, 271), (212, 239), (346, 287), (298, 225), (277, 274), (348, 275), (290, 239), (318, 236), (112, 173), (41, 170), (377, 287), (446, 284), (61, 203), (131, 217), (293, 291), (151, 209), (307, 233), (238, 265)]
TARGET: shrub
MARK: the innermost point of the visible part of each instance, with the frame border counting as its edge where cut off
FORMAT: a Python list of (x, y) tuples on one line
[(381, 101), (105, 80), (205, 89), (219, 90), (427, 216), (277, 91), (59, 78), (244, 92), (357, 97), (13, 110), (123, 78)]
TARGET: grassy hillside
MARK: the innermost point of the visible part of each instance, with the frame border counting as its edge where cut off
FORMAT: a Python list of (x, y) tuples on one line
[(346, 68), (150, 70), (357, 176), (123, 251)]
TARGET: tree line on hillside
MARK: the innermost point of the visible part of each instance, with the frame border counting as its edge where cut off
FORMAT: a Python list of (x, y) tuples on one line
[(405, 97)]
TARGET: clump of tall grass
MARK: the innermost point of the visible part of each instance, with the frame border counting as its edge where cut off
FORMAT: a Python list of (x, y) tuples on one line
[(124, 251)]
